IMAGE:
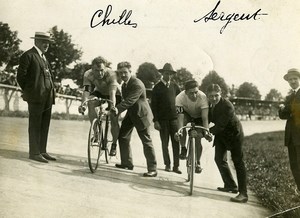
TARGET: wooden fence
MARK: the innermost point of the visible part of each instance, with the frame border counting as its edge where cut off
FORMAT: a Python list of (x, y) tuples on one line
[(10, 100)]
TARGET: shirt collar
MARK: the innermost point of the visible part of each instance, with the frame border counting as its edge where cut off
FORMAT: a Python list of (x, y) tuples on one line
[(164, 82), (38, 50), (296, 90), (127, 80)]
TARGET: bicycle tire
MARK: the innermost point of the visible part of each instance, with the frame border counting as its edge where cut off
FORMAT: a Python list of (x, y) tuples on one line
[(105, 140), (94, 145), (191, 160)]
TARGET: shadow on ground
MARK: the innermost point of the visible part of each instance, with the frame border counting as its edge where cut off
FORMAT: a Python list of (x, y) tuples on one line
[(172, 185)]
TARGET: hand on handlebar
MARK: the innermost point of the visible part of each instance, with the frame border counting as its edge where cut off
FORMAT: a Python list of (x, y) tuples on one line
[(177, 136), (114, 110), (281, 106), (81, 109), (208, 136)]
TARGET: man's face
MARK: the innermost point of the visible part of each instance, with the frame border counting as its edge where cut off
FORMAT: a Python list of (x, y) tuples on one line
[(294, 81), (124, 74), (166, 76), (98, 68), (192, 93), (42, 44), (214, 97)]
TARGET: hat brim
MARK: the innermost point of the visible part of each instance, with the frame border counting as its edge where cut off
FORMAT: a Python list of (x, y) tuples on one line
[(41, 38), (170, 71), (294, 73)]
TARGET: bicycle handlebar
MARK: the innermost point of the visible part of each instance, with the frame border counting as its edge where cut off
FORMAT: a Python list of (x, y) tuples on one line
[(102, 100), (207, 135), (191, 126), (82, 107)]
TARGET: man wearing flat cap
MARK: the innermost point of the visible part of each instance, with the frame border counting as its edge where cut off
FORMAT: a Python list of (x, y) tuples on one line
[(290, 111), (165, 116), (36, 81)]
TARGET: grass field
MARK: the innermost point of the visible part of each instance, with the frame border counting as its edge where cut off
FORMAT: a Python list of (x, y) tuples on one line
[(269, 174)]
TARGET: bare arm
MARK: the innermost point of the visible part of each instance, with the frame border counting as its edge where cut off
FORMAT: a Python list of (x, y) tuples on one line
[(204, 115)]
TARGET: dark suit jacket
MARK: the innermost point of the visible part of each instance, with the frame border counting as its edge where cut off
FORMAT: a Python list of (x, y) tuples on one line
[(227, 129), (163, 101), (31, 76), (136, 104), (291, 113)]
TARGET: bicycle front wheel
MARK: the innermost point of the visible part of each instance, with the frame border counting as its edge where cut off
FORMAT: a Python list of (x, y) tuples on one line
[(106, 145), (94, 145), (191, 164)]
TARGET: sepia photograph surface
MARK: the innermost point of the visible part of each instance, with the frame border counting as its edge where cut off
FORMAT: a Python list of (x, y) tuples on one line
[(247, 47)]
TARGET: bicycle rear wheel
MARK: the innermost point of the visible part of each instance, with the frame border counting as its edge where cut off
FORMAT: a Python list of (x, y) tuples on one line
[(191, 164), (95, 141)]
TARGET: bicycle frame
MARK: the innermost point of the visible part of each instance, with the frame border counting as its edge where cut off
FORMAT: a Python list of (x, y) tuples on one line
[(102, 141), (191, 151)]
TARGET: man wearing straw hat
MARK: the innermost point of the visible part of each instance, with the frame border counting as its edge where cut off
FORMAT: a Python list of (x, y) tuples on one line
[(165, 116), (290, 111), (36, 81)]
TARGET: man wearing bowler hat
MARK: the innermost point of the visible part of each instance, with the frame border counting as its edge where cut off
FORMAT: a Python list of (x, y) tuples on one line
[(36, 81), (290, 111), (165, 116)]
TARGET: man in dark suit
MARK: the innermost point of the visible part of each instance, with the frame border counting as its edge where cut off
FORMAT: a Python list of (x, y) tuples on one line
[(165, 116), (138, 115), (290, 111), (229, 136), (36, 81)]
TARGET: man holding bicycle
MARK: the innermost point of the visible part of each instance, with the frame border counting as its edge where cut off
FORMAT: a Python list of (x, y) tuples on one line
[(100, 81), (192, 106), (138, 116), (229, 136)]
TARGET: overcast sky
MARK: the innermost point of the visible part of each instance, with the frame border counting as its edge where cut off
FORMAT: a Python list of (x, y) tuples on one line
[(259, 51)]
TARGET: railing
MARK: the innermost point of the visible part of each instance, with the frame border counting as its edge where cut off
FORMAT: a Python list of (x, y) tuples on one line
[(10, 93)]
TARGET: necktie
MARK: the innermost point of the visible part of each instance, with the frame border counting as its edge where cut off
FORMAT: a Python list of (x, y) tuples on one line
[(45, 60), (212, 110), (293, 95), (49, 82)]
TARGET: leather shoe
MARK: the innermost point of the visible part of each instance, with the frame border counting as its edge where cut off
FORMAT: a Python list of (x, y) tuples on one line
[(240, 198), (150, 174), (113, 150), (168, 168), (198, 169), (38, 157), (232, 190), (48, 157), (124, 167), (176, 170)]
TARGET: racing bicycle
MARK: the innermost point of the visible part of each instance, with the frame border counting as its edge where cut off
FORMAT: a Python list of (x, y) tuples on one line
[(191, 152), (98, 142)]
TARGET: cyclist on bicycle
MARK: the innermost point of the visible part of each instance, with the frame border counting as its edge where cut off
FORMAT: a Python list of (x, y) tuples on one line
[(192, 106), (100, 81)]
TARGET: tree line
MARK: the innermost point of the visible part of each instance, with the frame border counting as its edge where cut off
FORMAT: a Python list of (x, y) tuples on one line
[(64, 57)]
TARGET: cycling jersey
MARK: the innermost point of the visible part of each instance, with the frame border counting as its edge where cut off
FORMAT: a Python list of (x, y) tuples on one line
[(185, 105), (102, 83)]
